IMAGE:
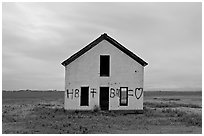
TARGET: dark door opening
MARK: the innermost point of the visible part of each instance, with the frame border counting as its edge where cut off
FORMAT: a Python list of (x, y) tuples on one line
[(84, 96), (104, 65), (104, 98)]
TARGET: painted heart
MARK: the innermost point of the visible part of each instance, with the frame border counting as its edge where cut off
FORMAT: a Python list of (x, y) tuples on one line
[(138, 92)]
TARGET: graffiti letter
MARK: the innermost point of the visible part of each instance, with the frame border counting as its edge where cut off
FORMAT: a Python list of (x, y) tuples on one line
[(93, 92), (76, 93), (112, 93), (138, 91), (70, 93)]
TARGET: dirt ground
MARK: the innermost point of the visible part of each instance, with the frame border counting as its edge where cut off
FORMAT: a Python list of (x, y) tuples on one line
[(42, 112)]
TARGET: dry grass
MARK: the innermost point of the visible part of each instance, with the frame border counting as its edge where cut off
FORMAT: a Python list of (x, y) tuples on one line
[(188, 119)]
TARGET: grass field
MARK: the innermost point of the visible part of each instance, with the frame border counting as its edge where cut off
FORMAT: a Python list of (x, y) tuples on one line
[(42, 112)]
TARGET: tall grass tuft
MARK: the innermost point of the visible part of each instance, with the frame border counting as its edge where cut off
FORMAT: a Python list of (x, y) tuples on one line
[(96, 108)]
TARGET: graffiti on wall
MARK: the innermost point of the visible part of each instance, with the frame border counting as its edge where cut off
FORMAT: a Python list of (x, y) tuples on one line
[(93, 92), (137, 92), (114, 92), (72, 93)]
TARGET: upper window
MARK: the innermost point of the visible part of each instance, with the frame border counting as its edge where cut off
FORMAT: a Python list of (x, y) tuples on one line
[(104, 65), (124, 96)]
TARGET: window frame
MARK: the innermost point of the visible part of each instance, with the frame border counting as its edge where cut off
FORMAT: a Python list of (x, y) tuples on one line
[(124, 104)]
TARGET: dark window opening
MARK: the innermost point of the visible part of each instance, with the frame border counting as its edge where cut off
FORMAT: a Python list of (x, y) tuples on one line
[(123, 96), (84, 96), (104, 65)]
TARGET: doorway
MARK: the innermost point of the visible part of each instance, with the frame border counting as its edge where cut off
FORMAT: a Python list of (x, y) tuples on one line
[(104, 98)]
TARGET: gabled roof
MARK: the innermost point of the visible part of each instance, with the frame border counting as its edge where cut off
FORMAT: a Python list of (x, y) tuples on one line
[(98, 40)]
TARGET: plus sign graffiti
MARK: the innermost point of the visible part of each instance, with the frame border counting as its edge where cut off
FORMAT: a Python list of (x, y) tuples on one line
[(93, 91)]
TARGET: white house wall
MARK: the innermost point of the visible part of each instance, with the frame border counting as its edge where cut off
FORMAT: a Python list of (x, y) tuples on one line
[(85, 71)]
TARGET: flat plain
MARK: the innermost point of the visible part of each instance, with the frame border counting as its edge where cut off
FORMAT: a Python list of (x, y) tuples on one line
[(40, 112)]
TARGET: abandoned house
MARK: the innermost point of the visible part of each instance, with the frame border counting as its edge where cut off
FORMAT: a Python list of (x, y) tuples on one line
[(106, 75)]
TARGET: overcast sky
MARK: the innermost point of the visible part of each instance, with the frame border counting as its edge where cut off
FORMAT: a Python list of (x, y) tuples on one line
[(37, 37)]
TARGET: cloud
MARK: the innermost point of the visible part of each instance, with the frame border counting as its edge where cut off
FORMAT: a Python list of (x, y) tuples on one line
[(37, 37)]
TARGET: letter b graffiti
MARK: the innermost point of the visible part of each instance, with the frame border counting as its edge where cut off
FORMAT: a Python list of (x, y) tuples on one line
[(112, 93)]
